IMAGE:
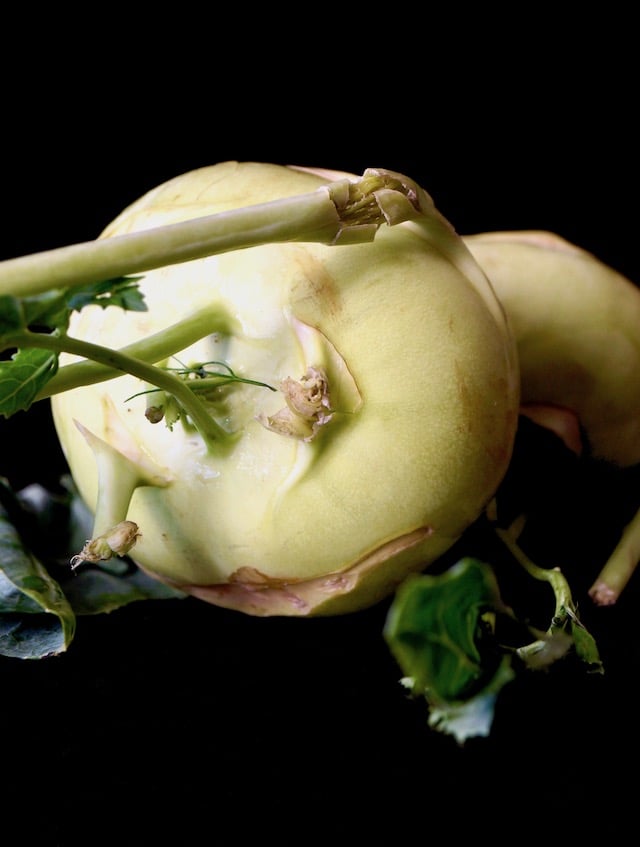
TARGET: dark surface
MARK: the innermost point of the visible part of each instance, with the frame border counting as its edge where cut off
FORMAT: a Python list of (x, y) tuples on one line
[(176, 722)]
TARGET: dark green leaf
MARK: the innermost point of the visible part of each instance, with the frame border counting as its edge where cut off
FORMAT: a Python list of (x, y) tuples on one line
[(586, 647), (65, 522), (35, 618), (48, 310), (96, 590), (437, 629), (440, 630), (122, 292), (23, 376), (11, 315)]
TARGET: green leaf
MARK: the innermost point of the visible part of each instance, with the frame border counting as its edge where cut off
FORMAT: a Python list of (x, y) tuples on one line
[(47, 311), (11, 315), (35, 618), (29, 369), (59, 525), (586, 646), (51, 309), (96, 590), (436, 627), (440, 630), (23, 376), (121, 291)]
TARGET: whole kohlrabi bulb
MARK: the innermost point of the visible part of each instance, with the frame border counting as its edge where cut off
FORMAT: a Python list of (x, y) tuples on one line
[(390, 427)]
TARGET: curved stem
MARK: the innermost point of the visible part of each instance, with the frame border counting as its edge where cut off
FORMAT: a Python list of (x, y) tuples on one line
[(553, 576), (564, 611), (154, 348), (211, 432)]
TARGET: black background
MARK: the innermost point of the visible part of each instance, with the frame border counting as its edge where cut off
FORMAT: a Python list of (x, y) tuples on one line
[(177, 722)]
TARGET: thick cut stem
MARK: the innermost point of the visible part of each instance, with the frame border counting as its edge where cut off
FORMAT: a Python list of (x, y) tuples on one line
[(619, 567), (345, 212), (340, 212)]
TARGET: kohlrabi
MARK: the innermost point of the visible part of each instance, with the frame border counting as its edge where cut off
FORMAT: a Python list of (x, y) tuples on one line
[(575, 320), (290, 391), (317, 397)]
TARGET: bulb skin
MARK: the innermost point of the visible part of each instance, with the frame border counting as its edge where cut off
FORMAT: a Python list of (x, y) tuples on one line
[(575, 321), (415, 432)]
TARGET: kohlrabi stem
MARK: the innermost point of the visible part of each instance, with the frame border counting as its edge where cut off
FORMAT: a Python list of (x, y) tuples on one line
[(553, 576), (619, 567), (342, 211), (213, 434), (154, 348), (564, 606)]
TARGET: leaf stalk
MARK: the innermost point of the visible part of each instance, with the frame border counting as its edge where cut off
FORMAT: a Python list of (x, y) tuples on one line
[(211, 432), (332, 213)]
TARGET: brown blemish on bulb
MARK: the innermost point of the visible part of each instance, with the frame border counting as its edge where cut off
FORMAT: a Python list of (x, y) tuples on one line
[(251, 591), (314, 292)]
